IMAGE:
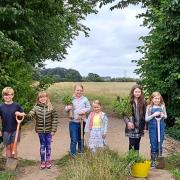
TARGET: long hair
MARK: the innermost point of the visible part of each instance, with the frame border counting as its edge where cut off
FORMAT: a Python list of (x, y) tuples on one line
[(141, 101), (48, 103), (154, 94)]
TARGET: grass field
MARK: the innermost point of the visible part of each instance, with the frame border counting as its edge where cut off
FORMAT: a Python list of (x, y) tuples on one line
[(106, 92)]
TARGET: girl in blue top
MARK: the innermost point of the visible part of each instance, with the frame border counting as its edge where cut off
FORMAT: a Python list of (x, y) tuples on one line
[(155, 111)]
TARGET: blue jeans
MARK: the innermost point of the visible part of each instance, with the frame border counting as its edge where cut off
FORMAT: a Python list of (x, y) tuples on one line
[(153, 135), (75, 135)]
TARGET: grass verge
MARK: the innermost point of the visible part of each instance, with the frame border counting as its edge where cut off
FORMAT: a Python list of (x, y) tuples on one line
[(7, 175), (173, 165), (102, 165)]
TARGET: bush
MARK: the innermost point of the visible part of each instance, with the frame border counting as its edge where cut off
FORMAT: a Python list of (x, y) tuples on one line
[(67, 99), (174, 131), (122, 107)]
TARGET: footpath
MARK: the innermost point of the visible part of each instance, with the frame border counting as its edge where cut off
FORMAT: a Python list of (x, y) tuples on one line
[(116, 140)]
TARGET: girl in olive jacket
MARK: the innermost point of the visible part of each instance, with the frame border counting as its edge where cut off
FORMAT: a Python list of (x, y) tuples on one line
[(45, 125)]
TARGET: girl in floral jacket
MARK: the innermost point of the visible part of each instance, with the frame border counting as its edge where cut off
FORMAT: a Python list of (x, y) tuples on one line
[(96, 125)]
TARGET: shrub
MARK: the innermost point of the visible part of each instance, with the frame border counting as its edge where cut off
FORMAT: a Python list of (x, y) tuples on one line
[(67, 99), (174, 131), (122, 107)]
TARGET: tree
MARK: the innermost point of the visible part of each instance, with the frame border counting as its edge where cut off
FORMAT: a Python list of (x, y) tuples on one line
[(159, 68), (73, 76), (15, 76), (44, 28), (62, 74), (93, 78), (35, 30)]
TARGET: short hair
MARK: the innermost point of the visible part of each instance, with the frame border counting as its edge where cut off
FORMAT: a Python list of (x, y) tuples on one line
[(7, 90), (96, 102), (80, 85)]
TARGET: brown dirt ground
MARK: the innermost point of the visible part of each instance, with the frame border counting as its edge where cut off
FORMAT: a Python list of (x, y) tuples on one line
[(29, 148)]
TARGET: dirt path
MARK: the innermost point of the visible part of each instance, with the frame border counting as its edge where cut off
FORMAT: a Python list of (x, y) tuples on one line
[(29, 148)]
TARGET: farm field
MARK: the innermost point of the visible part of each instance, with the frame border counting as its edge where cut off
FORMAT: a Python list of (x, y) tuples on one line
[(106, 92), (95, 88)]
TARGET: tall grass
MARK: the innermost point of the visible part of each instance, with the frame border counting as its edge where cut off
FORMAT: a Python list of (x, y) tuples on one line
[(102, 165), (6, 175), (173, 164), (106, 92)]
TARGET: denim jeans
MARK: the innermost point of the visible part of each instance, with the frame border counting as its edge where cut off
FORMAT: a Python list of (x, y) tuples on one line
[(153, 133), (75, 135)]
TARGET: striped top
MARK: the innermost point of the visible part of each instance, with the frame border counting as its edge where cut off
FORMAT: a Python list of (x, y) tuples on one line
[(45, 120)]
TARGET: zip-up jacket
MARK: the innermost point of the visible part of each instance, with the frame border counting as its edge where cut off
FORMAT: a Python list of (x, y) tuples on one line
[(45, 121)]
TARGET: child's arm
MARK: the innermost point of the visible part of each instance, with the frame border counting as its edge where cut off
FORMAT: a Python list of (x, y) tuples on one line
[(105, 123), (129, 122), (150, 116), (54, 121), (68, 107), (31, 114), (164, 113), (17, 113), (86, 129), (0, 126), (87, 108), (128, 119)]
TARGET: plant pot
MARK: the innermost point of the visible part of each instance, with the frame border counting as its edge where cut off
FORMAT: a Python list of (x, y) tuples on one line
[(141, 170)]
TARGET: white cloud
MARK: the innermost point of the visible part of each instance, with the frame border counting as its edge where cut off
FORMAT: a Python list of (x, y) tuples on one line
[(111, 46)]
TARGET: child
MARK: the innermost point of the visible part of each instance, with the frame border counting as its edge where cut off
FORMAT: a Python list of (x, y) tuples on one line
[(46, 126), (80, 106), (155, 111), (135, 124), (96, 124), (8, 112)]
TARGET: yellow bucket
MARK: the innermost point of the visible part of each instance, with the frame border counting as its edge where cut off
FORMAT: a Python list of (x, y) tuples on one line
[(141, 169)]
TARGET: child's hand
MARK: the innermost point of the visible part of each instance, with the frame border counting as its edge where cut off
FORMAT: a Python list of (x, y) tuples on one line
[(69, 107), (52, 133), (17, 113), (0, 133), (130, 125), (145, 131), (22, 114), (156, 114), (104, 136), (162, 115), (81, 115)]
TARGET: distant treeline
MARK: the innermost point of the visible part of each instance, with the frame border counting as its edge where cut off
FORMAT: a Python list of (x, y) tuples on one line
[(71, 75)]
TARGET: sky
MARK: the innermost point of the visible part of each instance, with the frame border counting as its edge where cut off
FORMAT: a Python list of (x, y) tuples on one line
[(111, 46)]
